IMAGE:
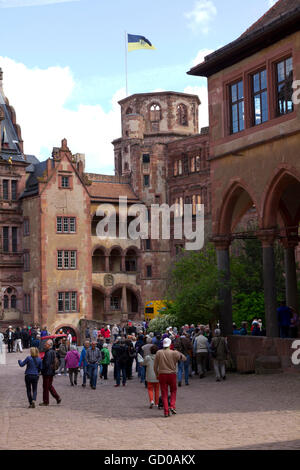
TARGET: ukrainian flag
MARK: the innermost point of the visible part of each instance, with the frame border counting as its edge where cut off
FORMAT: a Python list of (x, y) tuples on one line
[(138, 42)]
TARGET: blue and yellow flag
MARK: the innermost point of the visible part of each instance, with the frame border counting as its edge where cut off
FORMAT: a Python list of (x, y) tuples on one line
[(138, 42)]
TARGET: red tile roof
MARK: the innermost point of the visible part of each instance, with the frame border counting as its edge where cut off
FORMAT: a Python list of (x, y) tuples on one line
[(280, 8), (111, 191)]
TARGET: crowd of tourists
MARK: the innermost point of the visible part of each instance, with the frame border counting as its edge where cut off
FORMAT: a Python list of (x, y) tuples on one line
[(162, 362)]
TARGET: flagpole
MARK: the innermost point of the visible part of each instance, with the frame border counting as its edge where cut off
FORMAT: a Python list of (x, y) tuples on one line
[(126, 67)]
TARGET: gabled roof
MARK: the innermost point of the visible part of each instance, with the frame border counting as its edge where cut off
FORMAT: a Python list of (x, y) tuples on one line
[(111, 191), (278, 22), (279, 8), (32, 184)]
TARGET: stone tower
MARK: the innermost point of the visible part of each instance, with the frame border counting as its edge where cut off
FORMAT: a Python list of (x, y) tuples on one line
[(150, 121)]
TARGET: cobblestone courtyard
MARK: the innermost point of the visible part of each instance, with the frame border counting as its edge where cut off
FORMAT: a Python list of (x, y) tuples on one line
[(245, 412)]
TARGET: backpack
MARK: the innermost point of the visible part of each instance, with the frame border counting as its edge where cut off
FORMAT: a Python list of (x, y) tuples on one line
[(55, 363), (123, 358), (214, 349), (102, 354)]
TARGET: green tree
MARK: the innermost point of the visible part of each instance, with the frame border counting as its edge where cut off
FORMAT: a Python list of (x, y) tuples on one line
[(193, 287)]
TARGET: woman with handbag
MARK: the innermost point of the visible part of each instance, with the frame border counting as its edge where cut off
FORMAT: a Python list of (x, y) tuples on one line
[(219, 350)]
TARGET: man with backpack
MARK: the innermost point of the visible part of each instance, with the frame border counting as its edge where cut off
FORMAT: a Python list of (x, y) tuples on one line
[(183, 344), (49, 365), (219, 350)]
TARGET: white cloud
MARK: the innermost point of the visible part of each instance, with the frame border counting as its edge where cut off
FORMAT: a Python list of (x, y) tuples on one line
[(201, 91), (200, 17), (30, 3), (39, 97), (201, 55)]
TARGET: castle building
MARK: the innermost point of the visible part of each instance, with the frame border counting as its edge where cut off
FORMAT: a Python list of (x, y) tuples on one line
[(55, 269)]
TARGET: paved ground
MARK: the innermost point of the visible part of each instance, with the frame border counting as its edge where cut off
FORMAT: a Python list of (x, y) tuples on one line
[(245, 412)]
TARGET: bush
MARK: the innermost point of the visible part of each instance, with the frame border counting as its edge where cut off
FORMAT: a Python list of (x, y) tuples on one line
[(248, 306), (161, 322)]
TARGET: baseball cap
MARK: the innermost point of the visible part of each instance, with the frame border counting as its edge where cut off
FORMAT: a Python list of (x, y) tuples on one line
[(167, 343)]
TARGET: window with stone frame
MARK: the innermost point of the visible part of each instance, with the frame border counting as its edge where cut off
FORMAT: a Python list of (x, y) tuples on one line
[(66, 224), (182, 115), (146, 181), (26, 258), (26, 303), (193, 164), (237, 107), (198, 162), (14, 239), (155, 112), (115, 303), (5, 193), (66, 259), (260, 97), (5, 239), (179, 167), (185, 161), (26, 227), (14, 188), (149, 270), (284, 77), (175, 168), (67, 302)]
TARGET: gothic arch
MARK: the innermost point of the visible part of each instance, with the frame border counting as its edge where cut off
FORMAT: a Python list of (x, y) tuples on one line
[(236, 202)]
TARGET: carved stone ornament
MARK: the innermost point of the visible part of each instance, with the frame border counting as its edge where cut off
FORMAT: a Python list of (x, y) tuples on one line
[(108, 280)]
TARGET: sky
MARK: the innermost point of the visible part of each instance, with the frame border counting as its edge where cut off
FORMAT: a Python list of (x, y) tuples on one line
[(64, 63)]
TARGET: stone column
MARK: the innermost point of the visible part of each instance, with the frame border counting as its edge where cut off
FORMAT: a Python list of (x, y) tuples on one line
[(123, 265), (267, 238), (223, 259), (107, 264), (124, 300), (291, 287), (107, 304)]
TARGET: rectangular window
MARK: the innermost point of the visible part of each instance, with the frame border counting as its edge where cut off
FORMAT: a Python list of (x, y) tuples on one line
[(194, 205), (284, 86), (73, 259), (146, 158), (67, 302), (6, 239), (65, 181), (180, 167), (148, 244), (26, 261), (149, 271), (237, 107), (66, 259), (146, 181), (260, 97), (26, 227), (27, 306), (14, 190), (60, 259), (175, 168), (192, 165), (185, 165), (5, 190), (14, 234), (115, 303), (198, 163), (66, 224), (72, 224), (59, 224)]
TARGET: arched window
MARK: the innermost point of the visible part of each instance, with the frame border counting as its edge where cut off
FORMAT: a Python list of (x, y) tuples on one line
[(155, 112), (10, 298), (182, 115), (6, 301), (129, 111)]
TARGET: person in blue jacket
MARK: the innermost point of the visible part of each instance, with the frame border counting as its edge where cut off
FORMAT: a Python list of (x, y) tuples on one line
[(33, 369), (83, 362)]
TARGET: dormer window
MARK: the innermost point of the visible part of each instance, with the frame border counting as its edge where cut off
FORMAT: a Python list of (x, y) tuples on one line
[(129, 111)]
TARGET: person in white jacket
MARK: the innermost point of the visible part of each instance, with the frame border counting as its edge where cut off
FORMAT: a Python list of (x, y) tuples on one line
[(152, 382)]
